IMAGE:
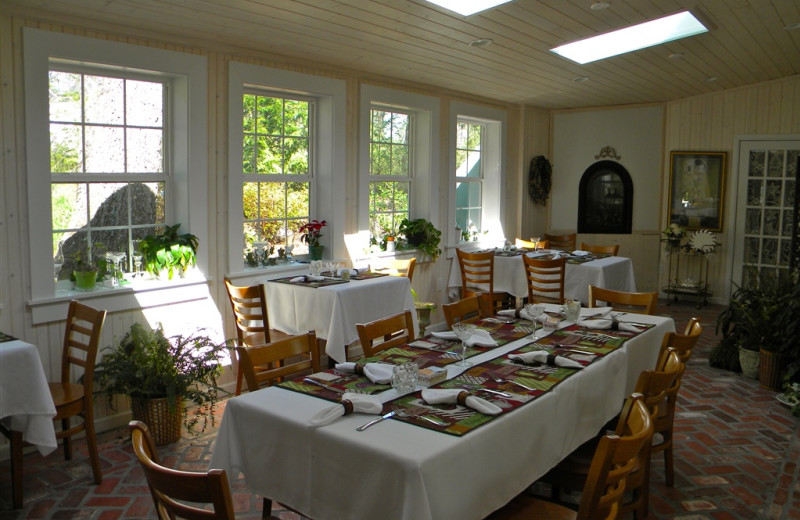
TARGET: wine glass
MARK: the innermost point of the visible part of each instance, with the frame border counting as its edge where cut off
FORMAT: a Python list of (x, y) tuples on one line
[(534, 310), (464, 332), (535, 241)]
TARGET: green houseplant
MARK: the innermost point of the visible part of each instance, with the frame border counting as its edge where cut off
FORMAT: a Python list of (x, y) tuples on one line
[(422, 235), (169, 251), (90, 266), (159, 374)]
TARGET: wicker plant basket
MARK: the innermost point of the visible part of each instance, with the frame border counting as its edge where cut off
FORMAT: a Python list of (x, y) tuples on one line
[(771, 370), (163, 420)]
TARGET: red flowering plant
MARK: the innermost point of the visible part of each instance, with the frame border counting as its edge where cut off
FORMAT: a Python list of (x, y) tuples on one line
[(312, 232)]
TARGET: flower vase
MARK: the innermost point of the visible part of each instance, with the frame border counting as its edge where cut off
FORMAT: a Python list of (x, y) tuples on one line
[(315, 252)]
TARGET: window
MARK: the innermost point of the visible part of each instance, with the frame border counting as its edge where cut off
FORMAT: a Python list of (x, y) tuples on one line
[(107, 167), (389, 170), (469, 176), (276, 165), (128, 130)]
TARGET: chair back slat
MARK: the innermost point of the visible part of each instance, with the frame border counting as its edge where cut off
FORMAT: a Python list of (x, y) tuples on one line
[(467, 309), (81, 342), (477, 272), (249, 305), (266, 364), (612, 250), (545, 279), (564, 242), (394, 330), (641, 303)]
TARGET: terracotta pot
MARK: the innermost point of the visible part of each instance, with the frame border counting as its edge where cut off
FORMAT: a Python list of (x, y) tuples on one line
[(770, 374)]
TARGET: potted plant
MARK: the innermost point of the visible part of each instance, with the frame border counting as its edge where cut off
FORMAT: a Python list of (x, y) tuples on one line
[(673, 235), (90, 266), (159, 374), (311, 233), (422, 235), (168, 251)]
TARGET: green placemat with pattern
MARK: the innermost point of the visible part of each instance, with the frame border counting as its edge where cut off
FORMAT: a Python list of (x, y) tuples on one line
[(367, 276)]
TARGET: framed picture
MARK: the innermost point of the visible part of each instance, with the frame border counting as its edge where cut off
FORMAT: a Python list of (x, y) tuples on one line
[(697, 187)]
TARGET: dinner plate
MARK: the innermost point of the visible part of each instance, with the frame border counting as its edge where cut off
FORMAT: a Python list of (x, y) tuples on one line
[(784, 399)]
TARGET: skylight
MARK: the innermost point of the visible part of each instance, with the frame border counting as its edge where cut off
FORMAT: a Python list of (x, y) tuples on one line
[(632, 38), (468, 7)]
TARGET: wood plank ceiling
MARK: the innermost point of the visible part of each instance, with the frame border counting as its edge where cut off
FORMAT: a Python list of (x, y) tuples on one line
[(414, 41)]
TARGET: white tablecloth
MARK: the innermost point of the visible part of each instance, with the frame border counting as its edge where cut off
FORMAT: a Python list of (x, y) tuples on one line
[(25, 401), (396, 470), (612, 272), (333, 311)]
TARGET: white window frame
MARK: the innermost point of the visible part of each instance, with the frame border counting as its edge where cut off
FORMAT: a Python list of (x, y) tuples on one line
[(327, 191), (493, 148), (424, 152), (187, 141), (479, 180)]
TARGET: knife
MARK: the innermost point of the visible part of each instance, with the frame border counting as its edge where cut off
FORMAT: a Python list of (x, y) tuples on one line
[(501, 394), (323, 385), (376, 421)]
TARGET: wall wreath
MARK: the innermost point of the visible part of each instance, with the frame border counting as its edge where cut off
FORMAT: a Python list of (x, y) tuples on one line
[(539, 179)]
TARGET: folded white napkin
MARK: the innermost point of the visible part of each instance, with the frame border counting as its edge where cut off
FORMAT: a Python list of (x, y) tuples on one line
[(457, 395), (605, 324), (445, 334), (537, 254), (542, 356), (594, 312), (351, 402), (520, 313), (380, 373), (481, 338), (578, 252), (307, 278)]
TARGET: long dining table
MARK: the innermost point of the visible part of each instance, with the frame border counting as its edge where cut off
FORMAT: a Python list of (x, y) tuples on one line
[(396, 470), (333, 308), (609, 272)]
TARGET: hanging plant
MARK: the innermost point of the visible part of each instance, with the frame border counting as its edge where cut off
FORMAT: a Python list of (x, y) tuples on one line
[(539, 179)]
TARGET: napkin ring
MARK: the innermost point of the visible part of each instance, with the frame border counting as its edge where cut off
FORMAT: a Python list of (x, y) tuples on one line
[(461, 398), (551, 359), (348, 406), (359, 369)]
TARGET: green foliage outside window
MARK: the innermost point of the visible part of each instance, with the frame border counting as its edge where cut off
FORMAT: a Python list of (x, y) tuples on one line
[(390, 172)]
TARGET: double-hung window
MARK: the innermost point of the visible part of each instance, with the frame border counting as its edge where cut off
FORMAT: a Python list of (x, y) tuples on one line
[(108, 175), (469, 176), (390, 170), (276, 166)]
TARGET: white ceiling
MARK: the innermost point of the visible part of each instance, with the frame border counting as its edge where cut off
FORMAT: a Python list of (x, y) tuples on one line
[(414, 41)]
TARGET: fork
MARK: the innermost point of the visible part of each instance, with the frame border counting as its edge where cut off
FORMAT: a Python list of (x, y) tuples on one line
[(403, 413), (497, 379)]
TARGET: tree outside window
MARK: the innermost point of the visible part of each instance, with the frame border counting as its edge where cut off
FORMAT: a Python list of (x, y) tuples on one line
[(107, 165), (277, 179), (389, 171), (469, 176)]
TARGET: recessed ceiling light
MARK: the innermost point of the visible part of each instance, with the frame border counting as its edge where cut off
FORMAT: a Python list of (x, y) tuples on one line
[(468, 7), (711, 79), (599, 6), (480, 42), (792, 26), (676, 56), (581, 79), (633, 38)]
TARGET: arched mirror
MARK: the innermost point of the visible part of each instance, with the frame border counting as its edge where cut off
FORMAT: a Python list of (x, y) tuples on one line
[(605, 199)]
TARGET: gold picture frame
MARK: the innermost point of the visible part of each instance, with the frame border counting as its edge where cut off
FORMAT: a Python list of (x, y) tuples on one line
[(697, 189)]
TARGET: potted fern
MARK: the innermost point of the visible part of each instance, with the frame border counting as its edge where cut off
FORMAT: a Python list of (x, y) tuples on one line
[(160, 374), (167, 252)]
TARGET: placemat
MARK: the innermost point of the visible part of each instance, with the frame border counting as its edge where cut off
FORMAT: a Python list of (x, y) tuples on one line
[(314, 285), (6, 337), (367, 276)]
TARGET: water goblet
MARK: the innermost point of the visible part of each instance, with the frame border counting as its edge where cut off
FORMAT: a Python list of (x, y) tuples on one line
[(463, 331), (534, 310), (535, 241)]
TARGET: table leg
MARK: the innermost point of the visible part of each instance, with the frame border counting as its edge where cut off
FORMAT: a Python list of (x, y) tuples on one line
[(16, 468)]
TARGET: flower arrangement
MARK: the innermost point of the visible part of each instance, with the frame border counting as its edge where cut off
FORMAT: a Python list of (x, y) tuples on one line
[(312, 232), (673, 232)]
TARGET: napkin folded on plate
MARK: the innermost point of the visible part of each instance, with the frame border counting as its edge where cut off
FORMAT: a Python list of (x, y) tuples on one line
[(537, 254), (520, 313), (379, 373), (479, 338), (445, 334), (605, 324), (546, 358), (579, 252), (350, 403), (462, 397), (354, 271), (307, 278)]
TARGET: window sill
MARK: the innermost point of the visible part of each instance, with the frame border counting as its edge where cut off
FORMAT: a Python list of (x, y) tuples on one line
[(140, 294)]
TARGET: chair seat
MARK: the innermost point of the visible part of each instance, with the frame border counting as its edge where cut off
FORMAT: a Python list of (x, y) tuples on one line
[(529, 508), (65, 394)]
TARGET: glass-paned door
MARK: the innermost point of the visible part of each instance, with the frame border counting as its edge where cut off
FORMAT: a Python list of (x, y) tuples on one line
[(765, 237)]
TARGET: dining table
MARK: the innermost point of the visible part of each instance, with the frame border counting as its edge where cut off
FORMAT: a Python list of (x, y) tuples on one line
[(402, 470), (26, 405), (608, 272), (332, 306)]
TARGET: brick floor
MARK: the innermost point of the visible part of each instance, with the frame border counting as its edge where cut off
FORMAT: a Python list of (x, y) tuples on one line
[(736, 458)]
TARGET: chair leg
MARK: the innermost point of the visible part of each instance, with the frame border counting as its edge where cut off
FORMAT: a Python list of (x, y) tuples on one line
[(668, 466), (67, 440), (266, 509), (91, 444), (16, 468), (238, 382)]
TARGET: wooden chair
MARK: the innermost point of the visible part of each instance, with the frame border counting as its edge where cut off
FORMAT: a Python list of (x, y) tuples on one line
[(613, 460), (524, 244), (571, 473), (477, 276), (279, 359), (169, 486), (397, 267), (81, 339), (561, 242), (603, 250), (249, 305), (467, 309), (682, 343), (395, 330), (542, 243), (545, 279), (641, 303)]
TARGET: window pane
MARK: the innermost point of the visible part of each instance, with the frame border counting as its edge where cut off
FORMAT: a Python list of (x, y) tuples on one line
[(145, 150), (145, 103), (296, 118), (66, 152), (65, 97), (104, 100), (296, 155), (104, 149)]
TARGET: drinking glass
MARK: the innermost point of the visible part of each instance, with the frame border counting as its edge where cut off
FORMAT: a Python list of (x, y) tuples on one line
[(534, 310), (464, 332), (572, 310), (550, 324), (535, 241), (405, 377)]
